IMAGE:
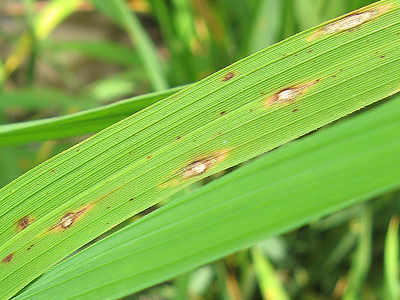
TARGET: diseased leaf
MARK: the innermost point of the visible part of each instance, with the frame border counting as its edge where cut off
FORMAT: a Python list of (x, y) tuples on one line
[(334, 168), (315, 77)]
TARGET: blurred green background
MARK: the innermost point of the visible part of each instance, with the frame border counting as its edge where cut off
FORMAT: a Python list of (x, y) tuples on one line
[(65, 56)]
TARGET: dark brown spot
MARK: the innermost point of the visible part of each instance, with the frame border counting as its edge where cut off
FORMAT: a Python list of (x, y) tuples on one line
[(24, 222), (333, 76), (30, 247), (77, 150), (294, 110), (108, 207), (8, 258), (223, 112), (131, 199), (52, 171), (251, 109), (229, 76), (148, 157), (178, 137), (311, 50), (382, 56)]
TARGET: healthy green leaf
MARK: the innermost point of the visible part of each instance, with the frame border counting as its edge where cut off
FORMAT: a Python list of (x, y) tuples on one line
[(248, 108), (80, 123)]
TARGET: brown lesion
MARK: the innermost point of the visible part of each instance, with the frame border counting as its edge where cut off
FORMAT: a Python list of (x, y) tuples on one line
[(24, 222), (8, 258), (351, 21), (202, 164), (289, 94), (229, 76), (195, 167), (70, 218)]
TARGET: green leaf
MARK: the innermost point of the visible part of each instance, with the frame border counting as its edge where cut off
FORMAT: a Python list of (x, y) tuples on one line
[(88, 121), (254, 105), (333, 168)]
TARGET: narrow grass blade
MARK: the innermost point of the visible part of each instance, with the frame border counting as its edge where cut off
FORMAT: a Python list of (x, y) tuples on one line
[(85, 122), (333, 168), (119, 12), (271, 286), (362, 256), (391, 260), (248, 108)]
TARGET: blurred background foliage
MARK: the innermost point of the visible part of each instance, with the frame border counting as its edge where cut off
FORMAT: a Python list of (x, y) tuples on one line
[(63, 56)]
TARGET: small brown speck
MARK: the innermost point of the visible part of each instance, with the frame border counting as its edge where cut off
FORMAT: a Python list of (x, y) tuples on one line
[(294, 110), (311, 50), (382, 56), (223, 112), (30, 247), (131, 199), (8, 258), (77, 150), (333, 76), (52, 171), (229, 76), (178, 138), (148, 157), (108, 207), (251, 109)]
